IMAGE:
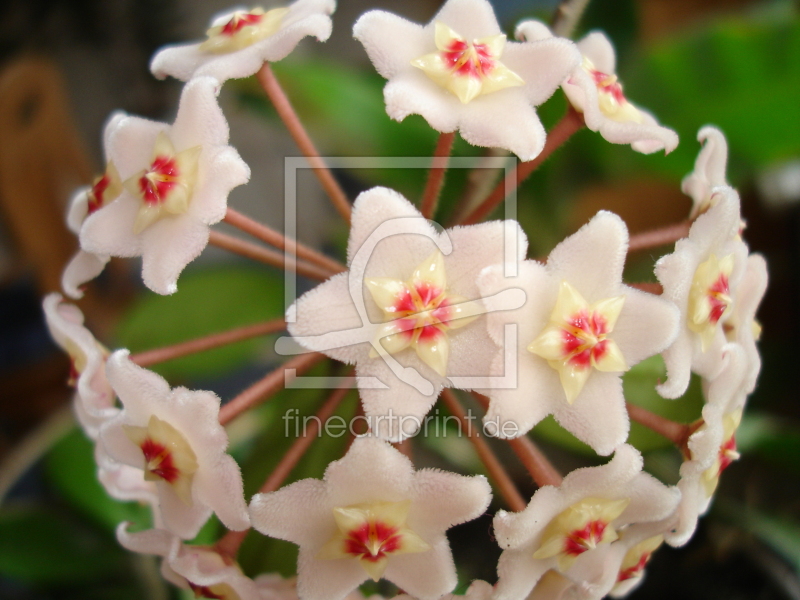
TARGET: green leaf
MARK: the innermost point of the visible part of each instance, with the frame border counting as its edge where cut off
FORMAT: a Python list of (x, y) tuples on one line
[(40, 546), (203, 307), (71, 468)]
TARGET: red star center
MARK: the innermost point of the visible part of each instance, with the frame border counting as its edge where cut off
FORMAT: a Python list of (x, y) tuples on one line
[(239, 21)]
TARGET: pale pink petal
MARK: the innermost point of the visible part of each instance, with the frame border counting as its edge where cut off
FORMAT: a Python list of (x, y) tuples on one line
[(223, 170), (300, 513), (130, 142), (185, 61), (325, 579), (391, 42), (472, 19), (168, 245), (109, 231), (448, 499), (592, 259), (83, 267), (532, 31), (751, 292), (398, 410), (597, 48), (426, 575), (78, 209), (536, 394), (328, 310), (543, 65), (485, 122), (646, 326), (411, 92), (371, 471), (518, 572), (598, 416), (709, 167)]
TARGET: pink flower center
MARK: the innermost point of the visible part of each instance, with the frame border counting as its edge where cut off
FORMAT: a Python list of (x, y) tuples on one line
[(579, 541), (97, 198), (636, 570), (608, 84), (159, 461), (239, 21), (422, 310), (464, 58), (727, 454), (372, 541), (159, 180), (584, 337), (718, 298)]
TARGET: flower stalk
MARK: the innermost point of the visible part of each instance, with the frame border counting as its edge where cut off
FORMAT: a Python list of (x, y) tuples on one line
[(160, 355), (264, 389), (286, 111), (280, 241), (266, 256), (433, 187), (505, 485)]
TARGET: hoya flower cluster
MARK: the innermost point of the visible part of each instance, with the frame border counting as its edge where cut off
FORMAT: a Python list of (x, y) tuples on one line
[(418, 309)]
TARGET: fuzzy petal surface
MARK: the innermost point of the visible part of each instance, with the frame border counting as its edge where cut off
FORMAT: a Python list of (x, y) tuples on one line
[(504, 118), (217, 483), (174, 240), (186, 61), (372, 472)]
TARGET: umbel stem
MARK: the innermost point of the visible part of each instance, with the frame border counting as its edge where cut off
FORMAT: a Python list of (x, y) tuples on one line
[(286, 112)]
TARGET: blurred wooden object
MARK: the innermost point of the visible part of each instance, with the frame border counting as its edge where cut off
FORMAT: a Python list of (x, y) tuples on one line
[(42, 160)]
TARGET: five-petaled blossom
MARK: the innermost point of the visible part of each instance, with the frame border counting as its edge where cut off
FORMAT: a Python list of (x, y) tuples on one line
[(593, 89), (204, 571), (701, 277), (406, 294), (239, 42), (571, 527), (174, 437), (460, 73), (578, 330), (176, 181), (372, 516), (87, 200), (712, 446), (94, 400)]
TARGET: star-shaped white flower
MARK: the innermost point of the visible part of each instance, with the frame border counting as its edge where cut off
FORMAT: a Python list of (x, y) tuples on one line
[(95, 401), (460, 73), (578, 330), (106, 188), (400, 266), (571, 528), (372, 516), (702, 277), (202, 570), (712, 447), (176, 179), (174, 437), (709, 170), (594, 90), (239, 42)]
